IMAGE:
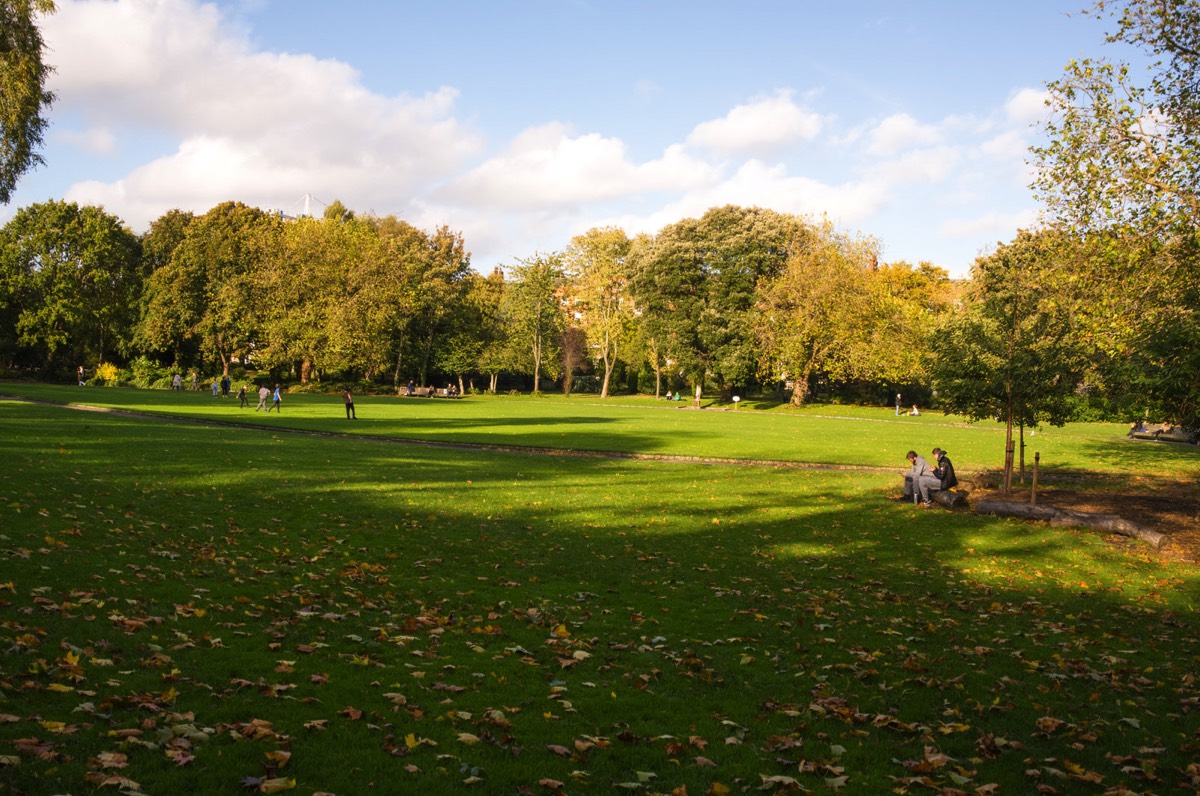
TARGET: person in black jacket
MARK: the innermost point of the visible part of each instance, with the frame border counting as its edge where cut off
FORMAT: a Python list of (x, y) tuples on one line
[(944, 471)]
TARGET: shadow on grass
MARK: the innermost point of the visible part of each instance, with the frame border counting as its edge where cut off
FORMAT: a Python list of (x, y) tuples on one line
[(791, 604)]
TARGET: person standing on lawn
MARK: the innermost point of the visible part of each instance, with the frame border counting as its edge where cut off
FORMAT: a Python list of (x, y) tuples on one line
[(241, 395), (348, 399), (263, 395)]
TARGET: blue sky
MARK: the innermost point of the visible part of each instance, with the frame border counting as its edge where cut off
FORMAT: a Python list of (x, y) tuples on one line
[(522, 123)]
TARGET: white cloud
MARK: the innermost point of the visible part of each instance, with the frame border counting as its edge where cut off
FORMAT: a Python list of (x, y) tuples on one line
[(929, 165), (254, 126), (994, 226), (1010, 145), (176, 98), (899, 132), (546, 167), (761, 127), (95, 140), (1026, 106)]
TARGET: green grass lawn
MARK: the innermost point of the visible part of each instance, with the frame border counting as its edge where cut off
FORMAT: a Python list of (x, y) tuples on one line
[(641, 425), (212, 607)]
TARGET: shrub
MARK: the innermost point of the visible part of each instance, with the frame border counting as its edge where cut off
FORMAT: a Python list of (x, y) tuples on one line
[(106, 375), (148, 374)]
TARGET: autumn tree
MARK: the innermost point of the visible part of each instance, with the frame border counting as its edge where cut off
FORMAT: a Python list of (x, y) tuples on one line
[(902, 307), (597, 267), (486, 294), (24, 98), (439, 290), (302, 293), (817, 315)]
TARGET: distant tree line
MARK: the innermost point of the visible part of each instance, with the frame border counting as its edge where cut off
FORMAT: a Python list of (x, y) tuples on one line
[(741, 298)]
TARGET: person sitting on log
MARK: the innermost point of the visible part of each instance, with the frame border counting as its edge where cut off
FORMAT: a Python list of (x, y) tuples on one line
[(920, 480), (944, 471)]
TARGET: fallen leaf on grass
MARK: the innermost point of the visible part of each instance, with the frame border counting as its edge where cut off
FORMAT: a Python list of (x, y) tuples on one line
[(279, 757), (101, 780)]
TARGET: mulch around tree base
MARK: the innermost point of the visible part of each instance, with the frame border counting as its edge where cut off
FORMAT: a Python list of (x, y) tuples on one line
[(1171, 507)]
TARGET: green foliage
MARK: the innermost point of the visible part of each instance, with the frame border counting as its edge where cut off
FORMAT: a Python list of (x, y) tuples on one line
[(695, 283), (533, 315), (24, 98), (71, 282), (1012, 354), (148, 374), (1121, 152)]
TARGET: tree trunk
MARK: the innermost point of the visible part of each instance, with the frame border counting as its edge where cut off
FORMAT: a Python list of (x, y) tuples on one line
[(607, 374), (799, 389), (1070, 517)]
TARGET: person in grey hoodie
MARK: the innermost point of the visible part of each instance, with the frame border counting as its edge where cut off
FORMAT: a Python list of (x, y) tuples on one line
[(919, 480)]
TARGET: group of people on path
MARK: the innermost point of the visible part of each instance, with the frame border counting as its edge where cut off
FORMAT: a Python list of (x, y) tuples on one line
[(921, 481)]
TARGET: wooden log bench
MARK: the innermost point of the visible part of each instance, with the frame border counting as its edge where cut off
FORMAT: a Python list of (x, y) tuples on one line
[(949, 498)]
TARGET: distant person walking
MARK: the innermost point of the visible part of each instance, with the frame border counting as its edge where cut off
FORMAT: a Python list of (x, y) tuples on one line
[(263, 395), (241, 395), (216, 387), (276, 401), (348, 399), (79, 373), (225, 384), (897, 404), (177, 382)]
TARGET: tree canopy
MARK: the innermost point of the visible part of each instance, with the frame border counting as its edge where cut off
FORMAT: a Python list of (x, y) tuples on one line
[(24, 98)]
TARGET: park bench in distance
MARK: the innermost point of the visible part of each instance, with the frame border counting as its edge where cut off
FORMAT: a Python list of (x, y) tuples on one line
[(429, 392), (1162, 432)]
